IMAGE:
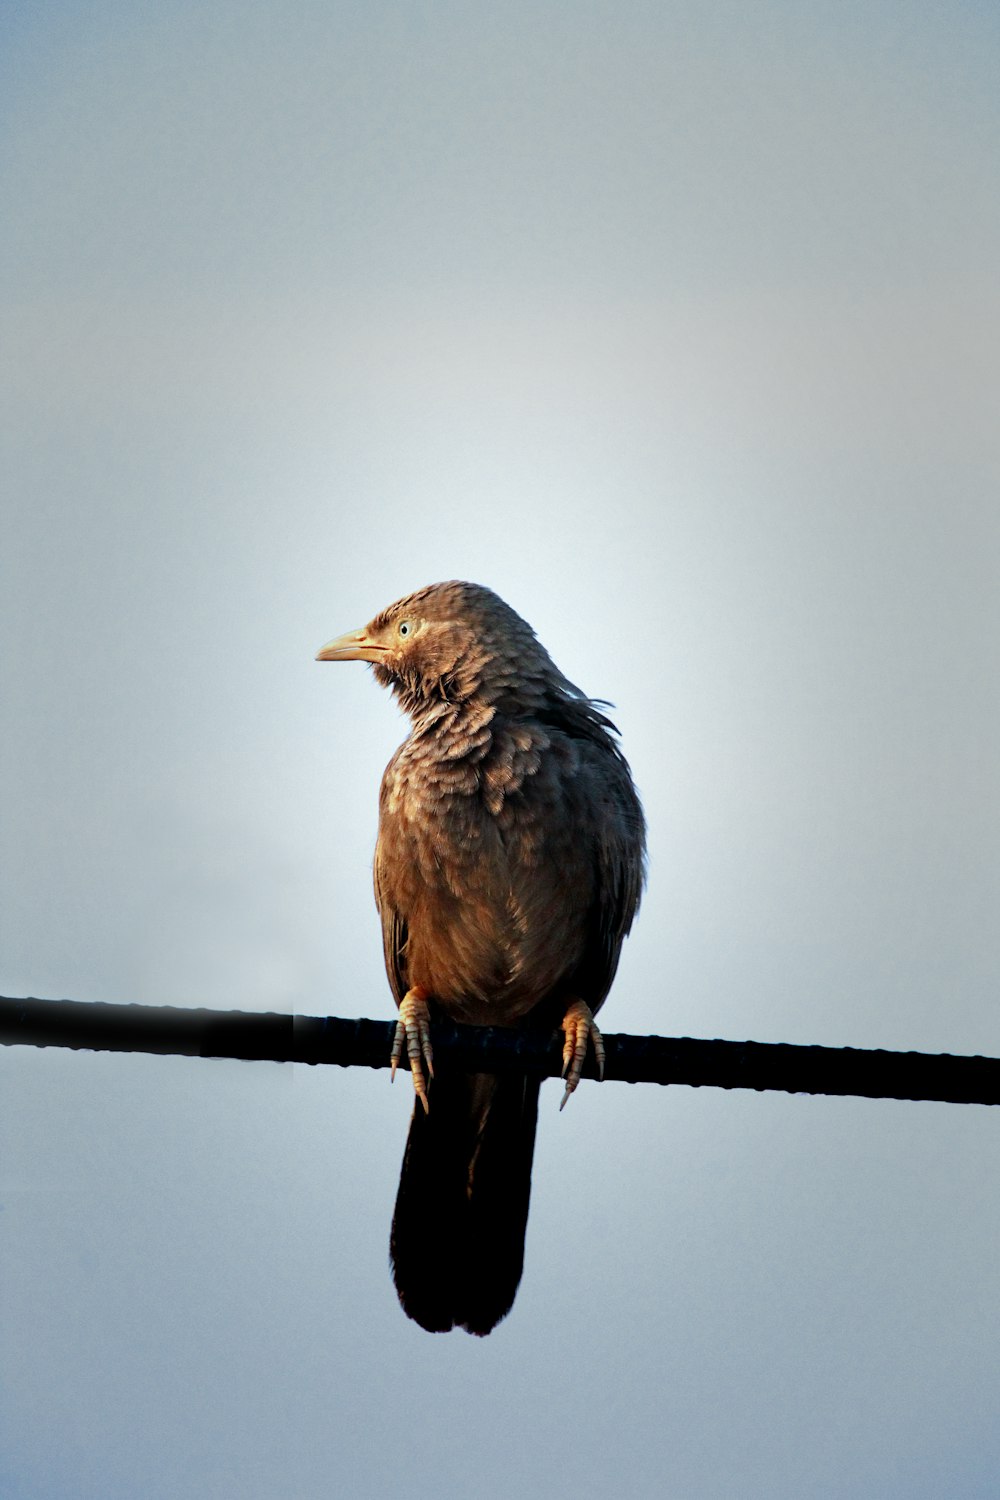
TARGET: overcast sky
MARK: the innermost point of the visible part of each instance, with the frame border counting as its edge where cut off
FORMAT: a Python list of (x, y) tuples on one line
[(677, 325)]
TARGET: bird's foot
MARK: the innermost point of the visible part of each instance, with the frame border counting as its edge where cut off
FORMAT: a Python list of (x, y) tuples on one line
[(578, 1025), (413, 1035)]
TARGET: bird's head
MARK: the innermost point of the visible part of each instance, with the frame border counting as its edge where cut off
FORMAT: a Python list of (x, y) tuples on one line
[(447, 643)]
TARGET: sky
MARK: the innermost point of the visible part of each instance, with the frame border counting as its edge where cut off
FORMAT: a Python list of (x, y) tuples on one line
[(677, 325)]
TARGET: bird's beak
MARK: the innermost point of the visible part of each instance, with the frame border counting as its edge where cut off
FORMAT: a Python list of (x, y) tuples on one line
[(356, 645)]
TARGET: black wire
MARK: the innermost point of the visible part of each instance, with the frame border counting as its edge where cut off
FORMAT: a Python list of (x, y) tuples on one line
[(630, 1059)]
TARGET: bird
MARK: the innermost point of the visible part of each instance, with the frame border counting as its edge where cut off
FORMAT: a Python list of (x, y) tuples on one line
[(508, 868)]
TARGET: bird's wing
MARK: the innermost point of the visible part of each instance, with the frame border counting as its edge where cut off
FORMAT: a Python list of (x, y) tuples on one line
[(620, 849), (394, 933)]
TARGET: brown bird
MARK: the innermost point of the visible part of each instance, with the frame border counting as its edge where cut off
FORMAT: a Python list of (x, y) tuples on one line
[(508, 870)]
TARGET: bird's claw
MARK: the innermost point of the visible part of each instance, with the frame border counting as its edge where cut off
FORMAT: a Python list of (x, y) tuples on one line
[(578, 1025), (413, 1035)]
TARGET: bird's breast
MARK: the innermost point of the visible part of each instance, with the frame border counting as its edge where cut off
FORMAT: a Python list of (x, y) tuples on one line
[(491, 876)]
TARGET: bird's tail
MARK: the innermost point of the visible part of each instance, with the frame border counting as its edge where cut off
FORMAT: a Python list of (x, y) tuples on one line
[(457, 1242)]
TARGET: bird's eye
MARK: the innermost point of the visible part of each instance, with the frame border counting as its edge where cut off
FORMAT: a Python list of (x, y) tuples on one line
[(405, 628)]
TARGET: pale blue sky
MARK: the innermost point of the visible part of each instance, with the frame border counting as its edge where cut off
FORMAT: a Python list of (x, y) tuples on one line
[(678, 326)]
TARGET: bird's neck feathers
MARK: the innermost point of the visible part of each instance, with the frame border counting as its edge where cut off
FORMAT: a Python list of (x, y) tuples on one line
[(474, 688)]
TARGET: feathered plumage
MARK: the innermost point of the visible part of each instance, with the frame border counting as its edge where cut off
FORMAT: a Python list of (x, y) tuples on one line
[(508, 870)]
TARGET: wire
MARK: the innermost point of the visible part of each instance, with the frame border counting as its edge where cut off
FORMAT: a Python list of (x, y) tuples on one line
[(494, 1049)]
